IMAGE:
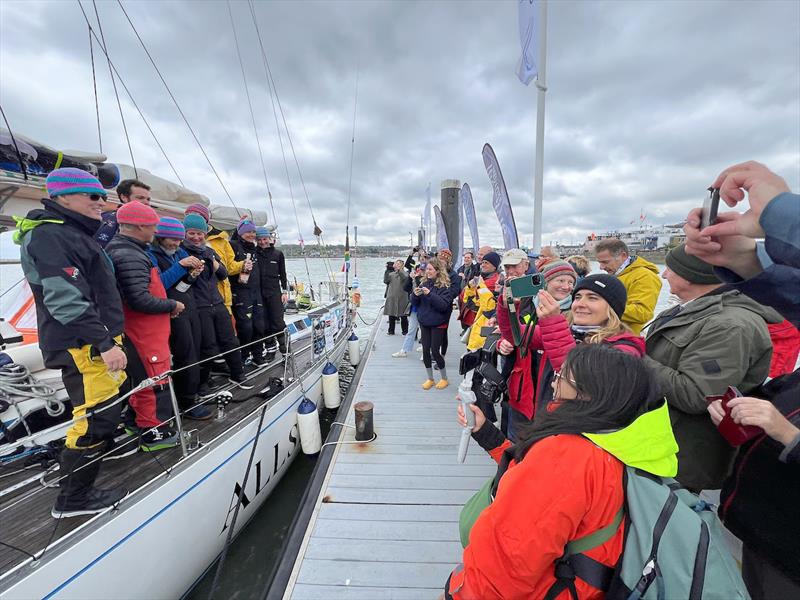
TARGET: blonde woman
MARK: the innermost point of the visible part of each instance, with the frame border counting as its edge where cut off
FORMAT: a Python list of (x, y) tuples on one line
[(598, 302), (434, 306)]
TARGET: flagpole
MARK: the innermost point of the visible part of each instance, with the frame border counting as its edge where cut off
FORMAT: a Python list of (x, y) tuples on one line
[(541, 89)]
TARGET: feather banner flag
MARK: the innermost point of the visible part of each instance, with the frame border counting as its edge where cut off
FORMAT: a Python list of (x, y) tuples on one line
[(441, 232), (500, 201), (527, 69), (469, 216)]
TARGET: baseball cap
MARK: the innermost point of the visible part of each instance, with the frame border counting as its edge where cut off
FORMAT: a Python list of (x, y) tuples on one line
[(514, 257)]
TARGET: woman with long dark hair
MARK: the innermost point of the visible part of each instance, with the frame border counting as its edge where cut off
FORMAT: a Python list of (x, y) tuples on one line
[(434, 306), (563, 479)]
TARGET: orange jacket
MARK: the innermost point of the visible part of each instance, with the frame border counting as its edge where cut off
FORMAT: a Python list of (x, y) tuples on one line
[(564, 489)]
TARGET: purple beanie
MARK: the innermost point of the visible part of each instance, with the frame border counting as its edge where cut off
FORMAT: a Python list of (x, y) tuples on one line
[(170, 228), (72, 181), (198, 209), (245, 227)]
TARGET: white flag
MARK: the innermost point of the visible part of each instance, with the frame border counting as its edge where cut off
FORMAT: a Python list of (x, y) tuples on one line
[(528, 39)]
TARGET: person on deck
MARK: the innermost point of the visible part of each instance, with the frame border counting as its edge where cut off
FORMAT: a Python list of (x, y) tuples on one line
[(546, 255), (274, 289), (219, 242), (479, 298), (147, 312), (598, 302), (412, 281), (563, 480), (434, 307), (178, 272), (640, 278), (467, 272), (79, 315), (246, 294), (580, 264), (396, 306), (216, 329), (128, 190), (715, 338)]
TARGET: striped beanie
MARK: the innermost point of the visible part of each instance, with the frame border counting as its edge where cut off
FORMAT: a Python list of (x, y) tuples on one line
[(262, 232), (170, 228), (245, 227), (136, 213), (195, 221), (72, 181), (556, 268), (198, 209)]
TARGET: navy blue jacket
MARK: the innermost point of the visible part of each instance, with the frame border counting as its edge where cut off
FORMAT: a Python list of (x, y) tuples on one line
[(778, 285), (108, 228), (435, 308)]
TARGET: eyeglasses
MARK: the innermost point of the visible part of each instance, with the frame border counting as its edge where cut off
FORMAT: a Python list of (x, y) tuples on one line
[(559, 375)]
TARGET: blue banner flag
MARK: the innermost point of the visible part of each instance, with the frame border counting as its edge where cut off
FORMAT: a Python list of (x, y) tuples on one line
[(441, 232), (469, 216), (500, 201), (527, 69)]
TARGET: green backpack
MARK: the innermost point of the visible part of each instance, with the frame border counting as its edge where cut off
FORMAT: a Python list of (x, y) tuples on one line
[(673, 547)]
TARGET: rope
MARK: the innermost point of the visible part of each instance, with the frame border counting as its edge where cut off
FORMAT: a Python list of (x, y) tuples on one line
[(16, 381), (94, 83), (250, 105), (16, 148), (114, 83), (130, 97), (180, 111)]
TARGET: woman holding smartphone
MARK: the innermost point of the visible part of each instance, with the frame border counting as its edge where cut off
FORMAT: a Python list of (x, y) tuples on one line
[(434, 306)]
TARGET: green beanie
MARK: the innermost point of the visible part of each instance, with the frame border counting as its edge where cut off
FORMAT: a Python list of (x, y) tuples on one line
[(691, 268)]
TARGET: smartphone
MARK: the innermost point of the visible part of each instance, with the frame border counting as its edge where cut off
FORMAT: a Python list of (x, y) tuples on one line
[(734, 434), (710, 208), (527, 286)]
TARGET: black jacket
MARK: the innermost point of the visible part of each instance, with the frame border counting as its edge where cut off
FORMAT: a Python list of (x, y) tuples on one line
[(133, 269), (205, 291), (241, 249), (72, 280), (272, 271)]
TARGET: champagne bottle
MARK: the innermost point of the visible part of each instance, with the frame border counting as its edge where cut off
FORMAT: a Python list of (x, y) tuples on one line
[(244, 276)]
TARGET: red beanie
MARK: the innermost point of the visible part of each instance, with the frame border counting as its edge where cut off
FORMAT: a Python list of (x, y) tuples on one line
[(136, 213)]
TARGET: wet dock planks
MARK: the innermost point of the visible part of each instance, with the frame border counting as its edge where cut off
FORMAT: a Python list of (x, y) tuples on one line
[(386, 522)]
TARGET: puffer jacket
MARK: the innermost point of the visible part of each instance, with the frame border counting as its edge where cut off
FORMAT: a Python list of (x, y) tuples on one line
[(133, 267), (516, 540), (714, 341), (486, 301), (529, 391), (71, 278), (219, 242), (435, 308), (643, 284), (205, 289)]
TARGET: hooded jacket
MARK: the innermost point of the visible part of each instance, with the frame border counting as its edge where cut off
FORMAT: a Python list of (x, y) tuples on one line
[(529, 390), (484, 298), (566, 487), (71, 277), (642, 281), (219, 242), (715, 341)]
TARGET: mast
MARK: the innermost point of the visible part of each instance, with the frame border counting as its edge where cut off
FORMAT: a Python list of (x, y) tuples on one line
[(541, 89)]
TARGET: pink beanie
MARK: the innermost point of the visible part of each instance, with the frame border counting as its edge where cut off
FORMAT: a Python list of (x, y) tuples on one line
[(136, 213)]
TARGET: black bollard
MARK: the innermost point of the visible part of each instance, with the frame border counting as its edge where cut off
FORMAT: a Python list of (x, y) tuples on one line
[(364, 424)]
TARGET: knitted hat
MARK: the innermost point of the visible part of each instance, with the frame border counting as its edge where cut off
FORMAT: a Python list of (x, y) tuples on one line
[(245, 227), (136, 213), (262, 232), (446, 251), (198, 209), (195, 221), (170, 228), (691, 268), (558, 267), (72, 181), (607, 287), (492, 257)]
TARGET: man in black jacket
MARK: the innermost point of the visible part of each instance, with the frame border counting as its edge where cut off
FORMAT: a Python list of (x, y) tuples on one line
[(79, 314), (147, 312), (274, 286)]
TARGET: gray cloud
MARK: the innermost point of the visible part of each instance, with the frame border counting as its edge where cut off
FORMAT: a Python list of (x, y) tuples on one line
[(647, 101)]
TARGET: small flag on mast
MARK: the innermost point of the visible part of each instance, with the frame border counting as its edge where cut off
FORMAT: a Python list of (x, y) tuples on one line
[(527, 69)]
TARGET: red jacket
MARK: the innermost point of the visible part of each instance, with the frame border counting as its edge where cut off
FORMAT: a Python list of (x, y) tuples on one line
[(554, 336), (565, 488)]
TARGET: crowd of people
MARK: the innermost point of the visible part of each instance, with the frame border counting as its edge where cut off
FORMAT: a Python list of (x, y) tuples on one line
[(589, 380), (124, 296)]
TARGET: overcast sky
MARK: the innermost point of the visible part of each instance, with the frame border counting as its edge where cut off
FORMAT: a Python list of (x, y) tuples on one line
[(646, 102)]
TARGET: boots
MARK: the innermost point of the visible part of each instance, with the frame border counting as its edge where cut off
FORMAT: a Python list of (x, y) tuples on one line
[(78, 495)]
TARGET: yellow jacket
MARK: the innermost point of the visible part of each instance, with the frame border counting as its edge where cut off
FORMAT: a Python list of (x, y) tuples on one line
[(643, 284), (485, 302), (219, 243)]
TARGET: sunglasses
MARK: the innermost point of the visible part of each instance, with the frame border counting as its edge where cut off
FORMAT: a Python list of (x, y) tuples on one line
[(92, 197)]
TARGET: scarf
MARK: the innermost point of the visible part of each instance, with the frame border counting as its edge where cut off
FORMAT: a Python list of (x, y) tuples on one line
[(563, 304)]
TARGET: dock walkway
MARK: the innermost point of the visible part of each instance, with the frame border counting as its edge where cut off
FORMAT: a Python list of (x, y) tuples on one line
[(385, 524)]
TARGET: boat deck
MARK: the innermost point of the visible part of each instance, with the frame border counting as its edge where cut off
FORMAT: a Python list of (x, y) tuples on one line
[(385, 524)]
